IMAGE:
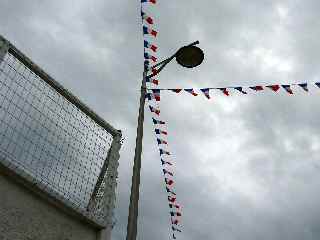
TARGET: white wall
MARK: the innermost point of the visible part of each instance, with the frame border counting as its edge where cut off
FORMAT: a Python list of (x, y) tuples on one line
[(25, 216)]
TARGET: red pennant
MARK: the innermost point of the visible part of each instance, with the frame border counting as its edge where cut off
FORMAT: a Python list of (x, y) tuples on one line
[(177, 90), (274, 87), (225, 91)]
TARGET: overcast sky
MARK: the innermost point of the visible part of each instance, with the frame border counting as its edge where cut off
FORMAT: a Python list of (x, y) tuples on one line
[(247, 167)]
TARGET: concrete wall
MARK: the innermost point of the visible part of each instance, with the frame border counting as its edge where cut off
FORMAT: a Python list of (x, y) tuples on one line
[(25, 216)]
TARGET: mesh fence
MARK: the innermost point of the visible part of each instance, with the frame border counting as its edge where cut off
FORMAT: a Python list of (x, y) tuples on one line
[(47, 136)]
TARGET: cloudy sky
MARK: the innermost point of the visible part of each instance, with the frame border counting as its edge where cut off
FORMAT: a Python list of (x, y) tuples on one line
[(246, 167)]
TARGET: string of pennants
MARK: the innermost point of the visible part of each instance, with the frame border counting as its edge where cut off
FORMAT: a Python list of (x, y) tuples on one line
[(150, 50), (155, 93)]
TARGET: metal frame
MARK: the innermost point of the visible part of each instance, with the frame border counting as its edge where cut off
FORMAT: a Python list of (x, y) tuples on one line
[(108, 173)]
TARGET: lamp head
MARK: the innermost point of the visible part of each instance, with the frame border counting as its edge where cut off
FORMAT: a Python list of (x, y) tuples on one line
[(189, 56)]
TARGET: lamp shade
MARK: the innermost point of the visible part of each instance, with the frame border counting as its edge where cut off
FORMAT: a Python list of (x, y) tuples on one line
[(189, 56)]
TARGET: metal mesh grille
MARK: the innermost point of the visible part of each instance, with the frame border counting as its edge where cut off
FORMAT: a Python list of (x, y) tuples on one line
[(47, 136)]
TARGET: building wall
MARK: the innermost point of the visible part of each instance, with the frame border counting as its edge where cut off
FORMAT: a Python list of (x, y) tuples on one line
[(25, 216)]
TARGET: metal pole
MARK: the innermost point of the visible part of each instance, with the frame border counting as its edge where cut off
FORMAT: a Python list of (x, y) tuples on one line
[(135, 183), (134, 196)]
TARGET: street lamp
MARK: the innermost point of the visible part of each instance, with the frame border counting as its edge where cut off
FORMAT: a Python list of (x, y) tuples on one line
[(188, 56)]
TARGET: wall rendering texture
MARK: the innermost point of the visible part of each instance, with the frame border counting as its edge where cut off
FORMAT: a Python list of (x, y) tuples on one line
[(25, 216)]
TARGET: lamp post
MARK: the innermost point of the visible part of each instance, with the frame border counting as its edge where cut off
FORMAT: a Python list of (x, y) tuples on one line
[(188, 56)]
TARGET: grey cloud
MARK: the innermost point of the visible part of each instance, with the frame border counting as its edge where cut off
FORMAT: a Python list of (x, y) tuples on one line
[(246, 166)]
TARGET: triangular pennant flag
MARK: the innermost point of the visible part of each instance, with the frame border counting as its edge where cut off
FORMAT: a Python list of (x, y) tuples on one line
[(178, 214), (171, 199), (175, 229), (169, 181), (191, 91), (206, 92), (287, 88), (155, 121), (150, 31), (150, 1), (174, 205), (174, 221), (154, 110), (165, 162), (154, 81), (149, 96), (274, 87), (158, 131), (240, 90), (146, 64), (146, 18), (150, 46), (304, 86), (162, 152), (149, 56), (170, 191), (257, 88), (165, 171), (317, 84), (156, 94), (225, 91), (176, 90), (154, 72), (160, 141)]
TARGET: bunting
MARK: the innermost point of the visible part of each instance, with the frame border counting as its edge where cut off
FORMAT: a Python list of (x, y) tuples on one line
[(153, 96), (163, 152), (150, 46), (156, 94), (176, 90), (147, 18), (165, 162), (240, 90), (274, 87), (287, 88), (147, 30), (174, 206), (169, 181), (206, 92), (170, 191), (174, 221), (150, 1), (171, 199), (158, 131), (150, 80), (304, 86), (175, 214), (161, 141), (149, 56), (175, 229), (155, 121), (166, 172), (191, 91), (154, 110), (257, 88), (226, 90)]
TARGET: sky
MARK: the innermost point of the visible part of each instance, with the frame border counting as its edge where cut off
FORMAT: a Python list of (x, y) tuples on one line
[(246, 166)]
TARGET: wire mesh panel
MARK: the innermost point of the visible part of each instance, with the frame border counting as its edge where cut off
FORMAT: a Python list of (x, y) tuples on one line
[(47, 136)]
